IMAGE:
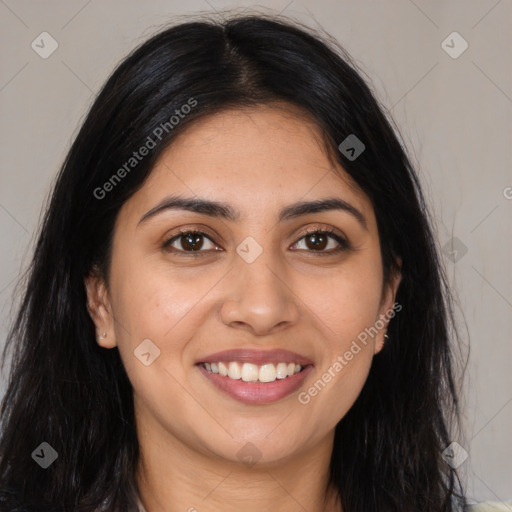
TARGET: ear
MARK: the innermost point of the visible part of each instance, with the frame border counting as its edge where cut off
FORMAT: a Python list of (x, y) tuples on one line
[(100, 310), (389, 308)]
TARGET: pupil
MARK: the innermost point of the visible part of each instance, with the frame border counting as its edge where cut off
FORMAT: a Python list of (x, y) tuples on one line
[(318, 241), (191, 240)]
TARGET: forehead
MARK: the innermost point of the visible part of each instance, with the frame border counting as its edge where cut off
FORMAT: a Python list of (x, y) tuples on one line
[(280, 139), (251, 157)]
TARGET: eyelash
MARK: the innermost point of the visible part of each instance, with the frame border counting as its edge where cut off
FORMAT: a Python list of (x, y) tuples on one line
[(343, 244)]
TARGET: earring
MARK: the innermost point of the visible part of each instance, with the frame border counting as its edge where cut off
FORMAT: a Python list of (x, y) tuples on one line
[(103, 335), (386, 337)]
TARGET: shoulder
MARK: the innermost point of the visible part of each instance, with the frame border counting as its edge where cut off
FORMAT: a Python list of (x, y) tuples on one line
[(140, 505), (490, 506)]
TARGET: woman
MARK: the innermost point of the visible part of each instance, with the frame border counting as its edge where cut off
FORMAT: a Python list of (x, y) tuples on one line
[(235, 299)]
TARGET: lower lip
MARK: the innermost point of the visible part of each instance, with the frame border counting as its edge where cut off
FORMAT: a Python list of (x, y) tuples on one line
[(257, 392)]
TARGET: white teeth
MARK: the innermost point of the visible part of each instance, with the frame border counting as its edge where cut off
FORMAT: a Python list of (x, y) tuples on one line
[(267, 373), (234, 371), (223, 369), (250, 372), (281, 370)]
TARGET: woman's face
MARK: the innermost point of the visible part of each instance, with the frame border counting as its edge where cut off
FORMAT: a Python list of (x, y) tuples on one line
[(256, 281)]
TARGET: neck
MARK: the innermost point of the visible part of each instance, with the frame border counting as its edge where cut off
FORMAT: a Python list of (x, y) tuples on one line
[(173, 476)]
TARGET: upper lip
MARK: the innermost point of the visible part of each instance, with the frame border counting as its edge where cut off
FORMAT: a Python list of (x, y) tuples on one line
[(258, 357)]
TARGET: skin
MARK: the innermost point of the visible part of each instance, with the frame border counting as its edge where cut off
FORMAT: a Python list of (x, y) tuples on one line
[(258, 160)]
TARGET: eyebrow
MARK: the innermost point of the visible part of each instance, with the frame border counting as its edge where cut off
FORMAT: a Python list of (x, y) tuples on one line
[(225, 211)]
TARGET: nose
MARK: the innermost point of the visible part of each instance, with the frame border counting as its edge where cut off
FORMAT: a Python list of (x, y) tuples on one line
[(261, 298)]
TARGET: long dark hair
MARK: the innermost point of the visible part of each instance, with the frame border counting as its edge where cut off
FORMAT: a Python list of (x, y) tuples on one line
[(67, 391)]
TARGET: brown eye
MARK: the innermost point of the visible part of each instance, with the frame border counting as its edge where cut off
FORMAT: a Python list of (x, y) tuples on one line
[(319, 240), (189, 241)]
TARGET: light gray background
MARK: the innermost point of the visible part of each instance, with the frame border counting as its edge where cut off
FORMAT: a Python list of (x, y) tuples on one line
[(454, 114)]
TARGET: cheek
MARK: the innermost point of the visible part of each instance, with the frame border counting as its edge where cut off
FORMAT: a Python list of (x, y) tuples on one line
[(152, 303), (346, 306), (151, 300), (347, 301)]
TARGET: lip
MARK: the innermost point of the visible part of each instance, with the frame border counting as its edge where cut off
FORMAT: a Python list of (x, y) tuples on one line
[(258, 357), (256, 393)]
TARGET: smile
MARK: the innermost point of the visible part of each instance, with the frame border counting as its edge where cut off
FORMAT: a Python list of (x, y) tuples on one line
[(249, 372), (255, 384)]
